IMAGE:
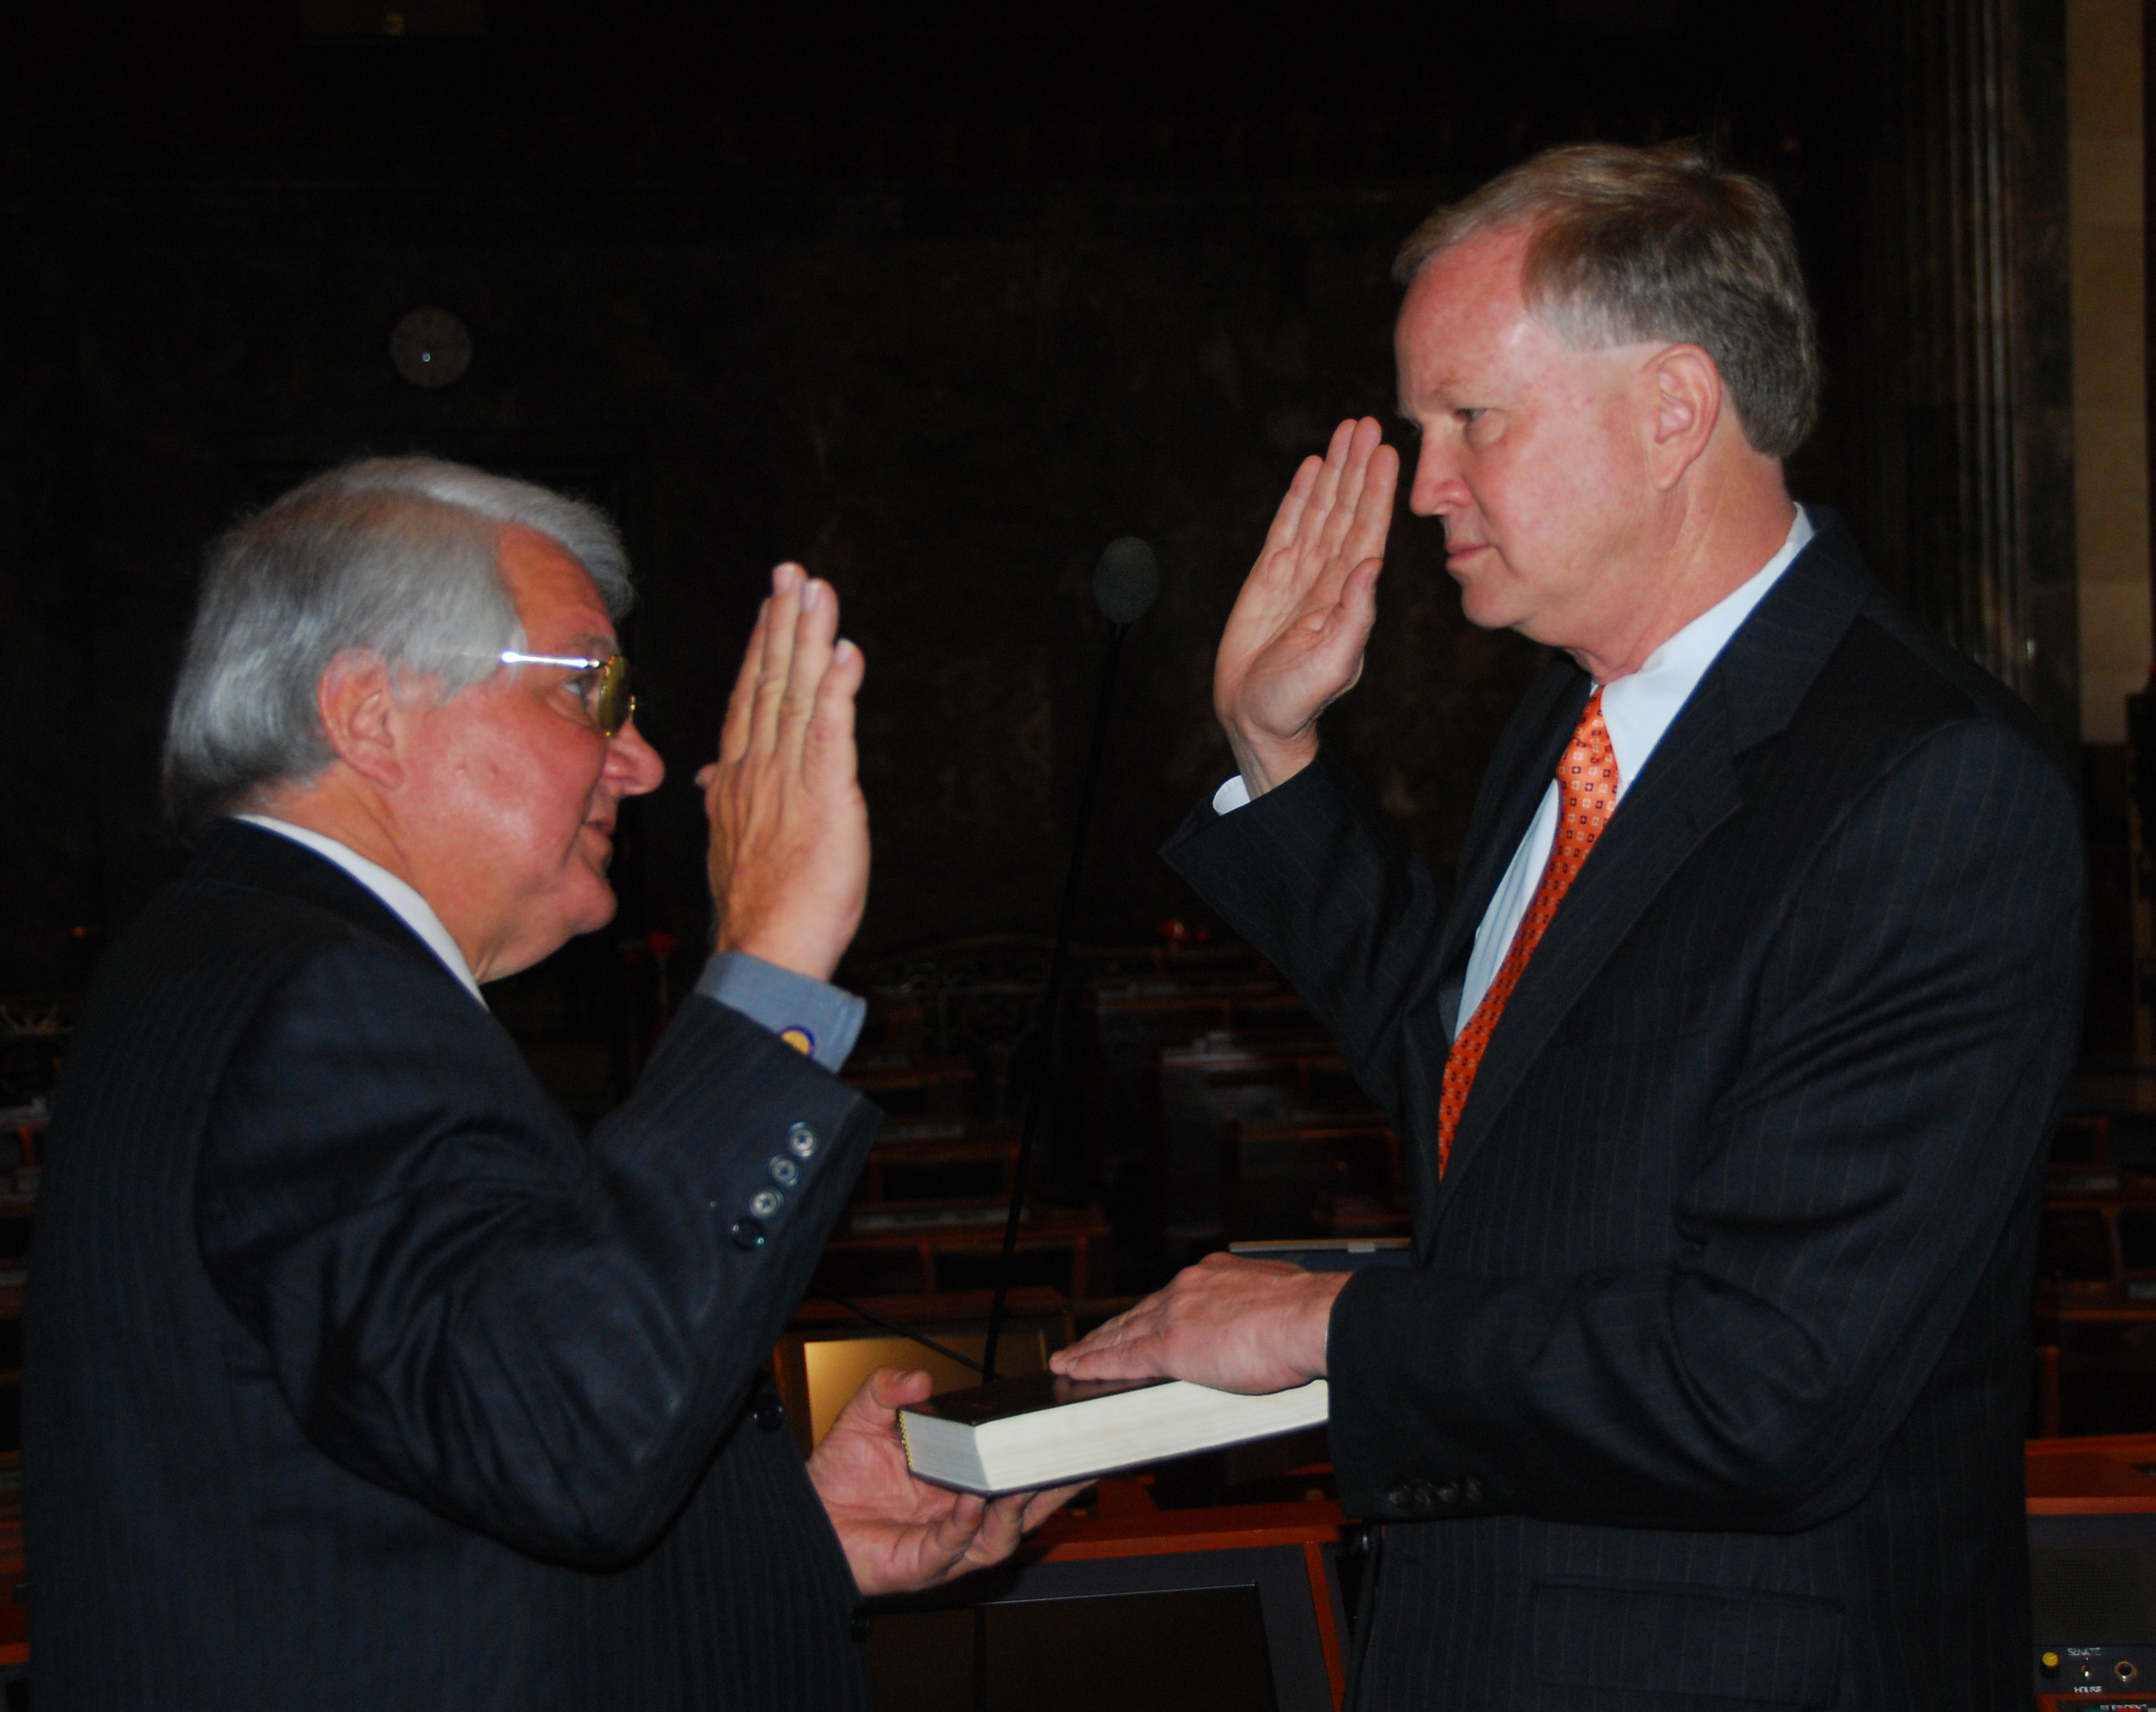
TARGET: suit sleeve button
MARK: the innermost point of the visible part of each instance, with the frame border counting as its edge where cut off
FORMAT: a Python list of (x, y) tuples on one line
[(1475, 1491), (765, 1202), (1449, 1493), (783, 1171), (859, 1627), (801, 1141), (1400, 1497), (747, 1233), (769, 1413)]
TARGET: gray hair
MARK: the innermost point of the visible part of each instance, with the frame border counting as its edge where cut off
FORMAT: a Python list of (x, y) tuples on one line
[(397, 557), (1630, 244)]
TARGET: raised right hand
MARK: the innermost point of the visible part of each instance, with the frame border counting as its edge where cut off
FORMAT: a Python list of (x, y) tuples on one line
[(789, 851), (1294, 644)]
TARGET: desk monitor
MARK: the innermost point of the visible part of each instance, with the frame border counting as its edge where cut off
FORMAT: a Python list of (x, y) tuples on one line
[(1244, 1630)]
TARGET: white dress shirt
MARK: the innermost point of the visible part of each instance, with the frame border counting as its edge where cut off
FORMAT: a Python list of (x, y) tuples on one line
[(1638, 709)]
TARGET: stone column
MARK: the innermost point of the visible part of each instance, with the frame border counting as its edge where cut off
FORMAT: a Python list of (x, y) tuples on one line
[(1968, 363)]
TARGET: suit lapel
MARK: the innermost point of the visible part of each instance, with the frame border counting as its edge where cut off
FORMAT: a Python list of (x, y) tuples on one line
[(234, 852), (1520, 772), (1688, 788)]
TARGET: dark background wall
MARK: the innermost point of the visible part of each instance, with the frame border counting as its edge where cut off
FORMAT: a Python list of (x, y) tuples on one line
[(939, 307)]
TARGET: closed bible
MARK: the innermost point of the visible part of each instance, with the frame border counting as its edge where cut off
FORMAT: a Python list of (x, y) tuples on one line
[(1043, 1430)]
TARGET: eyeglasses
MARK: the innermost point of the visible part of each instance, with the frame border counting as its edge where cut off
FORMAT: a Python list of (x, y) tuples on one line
[(607, 703)]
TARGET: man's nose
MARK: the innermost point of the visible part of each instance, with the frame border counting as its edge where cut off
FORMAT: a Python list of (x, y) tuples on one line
[(632, 766), (1437, 488)]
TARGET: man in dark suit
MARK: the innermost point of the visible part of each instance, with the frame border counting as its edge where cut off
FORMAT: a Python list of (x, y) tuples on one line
[(1724, 1072), (357, 1377)]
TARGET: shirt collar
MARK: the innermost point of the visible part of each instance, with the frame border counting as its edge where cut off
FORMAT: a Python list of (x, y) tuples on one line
[(410, 908), (1640, 706)]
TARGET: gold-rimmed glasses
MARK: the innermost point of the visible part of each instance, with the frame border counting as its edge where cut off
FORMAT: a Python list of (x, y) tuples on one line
[(605, 684)]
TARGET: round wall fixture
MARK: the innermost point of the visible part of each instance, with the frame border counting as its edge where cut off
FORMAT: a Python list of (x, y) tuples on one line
[(430, 348)]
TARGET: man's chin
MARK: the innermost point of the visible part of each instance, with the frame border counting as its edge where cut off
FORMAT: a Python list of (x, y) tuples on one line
[(551, 924), (1486, 607), (591, 906), (601, 909)]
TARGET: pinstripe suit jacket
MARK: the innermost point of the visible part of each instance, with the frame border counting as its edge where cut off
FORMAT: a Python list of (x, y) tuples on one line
[(1710, 1386), (356, 1378)]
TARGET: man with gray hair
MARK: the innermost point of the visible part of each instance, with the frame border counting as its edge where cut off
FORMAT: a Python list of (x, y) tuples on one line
[(1723, 1072), (357, 1377)]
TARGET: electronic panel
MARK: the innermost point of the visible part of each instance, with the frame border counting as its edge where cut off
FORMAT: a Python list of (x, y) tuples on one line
[(2093, 1578)]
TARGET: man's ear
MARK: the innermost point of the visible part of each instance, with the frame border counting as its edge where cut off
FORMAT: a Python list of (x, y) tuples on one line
[(356, 699), (1687, 395)]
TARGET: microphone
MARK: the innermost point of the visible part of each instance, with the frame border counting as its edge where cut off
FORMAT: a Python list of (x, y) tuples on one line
[(1126, 583)]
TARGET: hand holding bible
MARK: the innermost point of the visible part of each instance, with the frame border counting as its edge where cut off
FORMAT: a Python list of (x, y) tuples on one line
[(1294, 643), (1236, 1324), (789, 851), (902, 1535)]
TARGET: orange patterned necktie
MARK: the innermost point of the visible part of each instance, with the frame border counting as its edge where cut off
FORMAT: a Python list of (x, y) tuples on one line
[(1587, 792)]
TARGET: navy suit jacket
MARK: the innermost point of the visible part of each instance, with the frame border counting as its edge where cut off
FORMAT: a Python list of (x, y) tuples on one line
[(1711, 1384), (357, 1378)]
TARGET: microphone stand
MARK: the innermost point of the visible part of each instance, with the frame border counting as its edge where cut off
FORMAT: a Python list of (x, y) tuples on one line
[(1036, 1099)]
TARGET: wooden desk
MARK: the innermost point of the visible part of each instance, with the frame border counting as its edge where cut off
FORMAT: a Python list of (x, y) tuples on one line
[(880, 1251), (2106, 1476), (827, 1350)]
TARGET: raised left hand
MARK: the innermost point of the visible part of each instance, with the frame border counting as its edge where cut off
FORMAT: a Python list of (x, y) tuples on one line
[(902, 1535), (1236, 1324)]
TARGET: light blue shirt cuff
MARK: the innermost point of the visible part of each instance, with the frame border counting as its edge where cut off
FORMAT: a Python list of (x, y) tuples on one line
[(811, 1016), (1232, 795)]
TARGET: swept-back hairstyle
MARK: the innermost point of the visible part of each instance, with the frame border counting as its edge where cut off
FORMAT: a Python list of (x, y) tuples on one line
[(1630, 244), (392, 557)]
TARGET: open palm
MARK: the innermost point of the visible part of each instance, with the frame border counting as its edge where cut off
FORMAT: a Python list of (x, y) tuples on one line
[(1294, 643)]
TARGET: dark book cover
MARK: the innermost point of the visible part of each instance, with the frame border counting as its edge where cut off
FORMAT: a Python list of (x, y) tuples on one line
[(1331, 1254), (1025, 1395)]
